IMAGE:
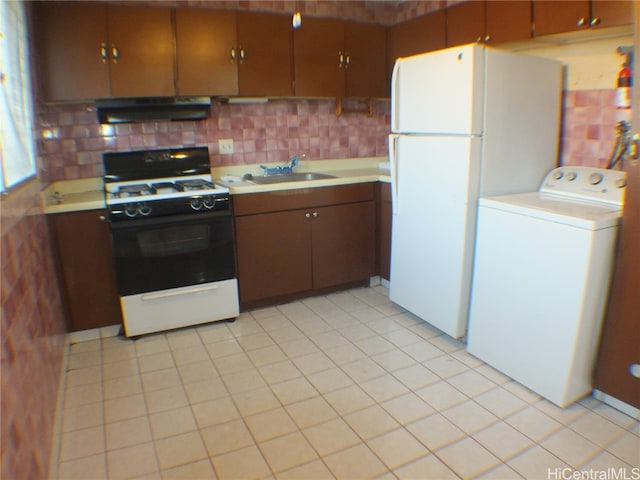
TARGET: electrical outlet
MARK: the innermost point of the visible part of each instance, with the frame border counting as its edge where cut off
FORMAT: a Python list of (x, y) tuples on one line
[(225, 145)]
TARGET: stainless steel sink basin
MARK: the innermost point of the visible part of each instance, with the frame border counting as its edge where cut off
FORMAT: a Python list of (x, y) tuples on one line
[(290, 177)]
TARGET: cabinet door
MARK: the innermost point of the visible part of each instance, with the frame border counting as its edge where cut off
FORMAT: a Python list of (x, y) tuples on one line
[(508, 21), (87, 269), (318, 46), (385, 217), (265, 53), (611, 13), (619, 347), (69, 39), (465, 23), (206, 47), (343, 244), (274, 254), (365, 63), (143, 40), (559, 16), (418, 35)]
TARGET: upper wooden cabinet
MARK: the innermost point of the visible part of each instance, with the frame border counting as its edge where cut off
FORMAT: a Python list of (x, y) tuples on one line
[(220, 52), (465, 23), (488, 22), (507, 21), (71, 50), (365, 62), (265, 53), (333, 58), (88, 51), (421, 34), (206, 52), (318, 58), (568, 16), (142, 51)]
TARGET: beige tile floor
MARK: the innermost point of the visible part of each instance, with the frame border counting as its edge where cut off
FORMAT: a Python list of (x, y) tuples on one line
[(344, 386)]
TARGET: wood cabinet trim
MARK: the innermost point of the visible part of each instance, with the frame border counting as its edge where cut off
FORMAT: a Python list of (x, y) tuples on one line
[(293, 199)]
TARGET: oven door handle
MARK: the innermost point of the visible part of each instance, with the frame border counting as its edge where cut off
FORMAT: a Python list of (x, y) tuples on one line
[(159, 295)]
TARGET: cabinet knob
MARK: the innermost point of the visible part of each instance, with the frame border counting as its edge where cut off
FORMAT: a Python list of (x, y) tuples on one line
[(594, 21), (232, 54), (479, 39), (487, 38), (114, 53), (102, 218), (242, 56), (104, 55), (347, 61), (315, 214), (307, 215), (635, 370), (582, 22), (340, 59)]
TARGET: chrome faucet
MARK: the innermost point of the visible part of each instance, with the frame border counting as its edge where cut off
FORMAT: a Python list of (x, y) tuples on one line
[(284, 169)]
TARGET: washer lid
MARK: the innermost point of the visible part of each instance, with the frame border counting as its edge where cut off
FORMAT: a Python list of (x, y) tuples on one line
[(557, 208)]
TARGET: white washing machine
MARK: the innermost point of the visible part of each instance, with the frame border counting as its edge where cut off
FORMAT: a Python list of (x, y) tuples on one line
[(541, 278)]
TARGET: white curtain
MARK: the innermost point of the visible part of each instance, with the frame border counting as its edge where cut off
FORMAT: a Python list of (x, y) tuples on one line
[(16, 107)]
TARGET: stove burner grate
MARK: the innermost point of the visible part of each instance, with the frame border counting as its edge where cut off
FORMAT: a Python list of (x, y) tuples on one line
[(197, 184), (138, 190)]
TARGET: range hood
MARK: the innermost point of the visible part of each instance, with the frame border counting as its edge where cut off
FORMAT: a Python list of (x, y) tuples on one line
[(129, 110)]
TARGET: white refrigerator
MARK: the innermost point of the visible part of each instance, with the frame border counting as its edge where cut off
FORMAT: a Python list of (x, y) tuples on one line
[(466, 122)]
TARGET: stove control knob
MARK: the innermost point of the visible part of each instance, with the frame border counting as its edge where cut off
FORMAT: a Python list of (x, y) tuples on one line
[(595, 178), (196, 203), (558, 174), (209, 202), (571, 176), (130, 210), (144, 209)]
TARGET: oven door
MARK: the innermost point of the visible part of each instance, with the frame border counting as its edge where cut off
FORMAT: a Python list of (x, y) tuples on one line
[(157, 254)]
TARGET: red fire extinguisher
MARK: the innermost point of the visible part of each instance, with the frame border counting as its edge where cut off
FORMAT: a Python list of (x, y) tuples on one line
[(625, 80)]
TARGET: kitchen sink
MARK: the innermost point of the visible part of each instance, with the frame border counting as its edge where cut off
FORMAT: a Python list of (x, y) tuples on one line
[(287, 177)]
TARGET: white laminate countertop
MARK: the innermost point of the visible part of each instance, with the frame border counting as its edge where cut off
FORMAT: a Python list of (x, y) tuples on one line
[(88, 193)]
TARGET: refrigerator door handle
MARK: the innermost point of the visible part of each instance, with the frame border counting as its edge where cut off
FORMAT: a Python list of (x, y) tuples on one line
[(393, 164), (395, 92)]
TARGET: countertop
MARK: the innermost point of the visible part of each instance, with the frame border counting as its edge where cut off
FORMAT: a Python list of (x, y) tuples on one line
[(88, 194)]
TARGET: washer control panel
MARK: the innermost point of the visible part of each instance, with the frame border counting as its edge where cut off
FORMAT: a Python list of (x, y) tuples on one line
[(587, 183)]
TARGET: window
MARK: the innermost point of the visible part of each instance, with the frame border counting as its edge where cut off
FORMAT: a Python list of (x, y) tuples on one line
[(17, 153)]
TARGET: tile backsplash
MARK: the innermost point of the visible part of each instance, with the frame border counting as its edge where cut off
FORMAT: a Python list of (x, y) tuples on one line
[(588, 127), (71, 141)]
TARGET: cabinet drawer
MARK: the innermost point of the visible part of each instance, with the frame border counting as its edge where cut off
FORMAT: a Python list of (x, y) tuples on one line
[(254, 203)]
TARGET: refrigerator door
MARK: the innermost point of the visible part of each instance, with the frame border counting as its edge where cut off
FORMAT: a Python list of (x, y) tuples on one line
[(435, 186), (439, 92)]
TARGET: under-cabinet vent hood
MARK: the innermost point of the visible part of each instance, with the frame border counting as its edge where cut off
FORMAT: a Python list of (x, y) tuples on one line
[(129, 110)]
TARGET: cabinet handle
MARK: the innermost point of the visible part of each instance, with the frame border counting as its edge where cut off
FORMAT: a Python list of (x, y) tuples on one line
[(242, 56), (315, 214), (104, 55), (102, 218), (114, 53), (479, 39), (307, 215), (233, 53), (487, 38), (582, 22), (340, 59), (347, 61), (594, 21)]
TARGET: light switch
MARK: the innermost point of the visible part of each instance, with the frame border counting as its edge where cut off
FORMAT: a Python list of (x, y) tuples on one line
[(225, 145)]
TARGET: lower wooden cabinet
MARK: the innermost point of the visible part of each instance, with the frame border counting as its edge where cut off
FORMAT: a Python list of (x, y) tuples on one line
[(385, 215), (86, 269), (303, 240)]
